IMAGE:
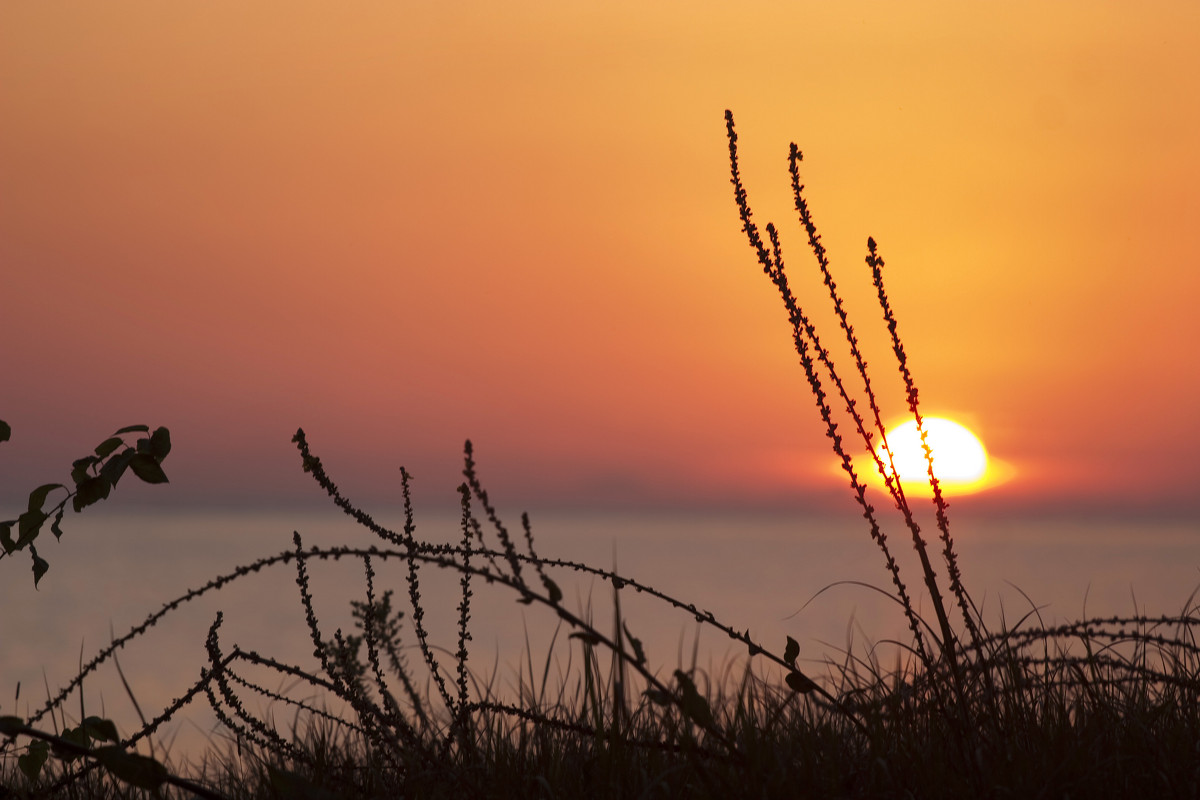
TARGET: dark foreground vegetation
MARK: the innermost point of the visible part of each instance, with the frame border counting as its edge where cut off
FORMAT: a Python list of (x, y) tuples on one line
[(1096, 708)]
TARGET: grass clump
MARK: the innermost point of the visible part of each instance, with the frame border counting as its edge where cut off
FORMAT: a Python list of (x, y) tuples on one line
[(1098, 707)]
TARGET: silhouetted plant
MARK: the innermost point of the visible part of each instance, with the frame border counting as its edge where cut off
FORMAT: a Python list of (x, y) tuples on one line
[(94, 476)]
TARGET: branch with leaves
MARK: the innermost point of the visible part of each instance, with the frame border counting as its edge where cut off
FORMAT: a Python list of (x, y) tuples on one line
[(93, 477), (136, 770)]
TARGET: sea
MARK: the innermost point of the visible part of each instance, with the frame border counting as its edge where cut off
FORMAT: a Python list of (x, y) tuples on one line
[(818, 578)]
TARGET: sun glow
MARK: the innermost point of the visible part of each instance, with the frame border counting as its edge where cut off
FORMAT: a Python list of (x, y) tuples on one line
[(960, 461)]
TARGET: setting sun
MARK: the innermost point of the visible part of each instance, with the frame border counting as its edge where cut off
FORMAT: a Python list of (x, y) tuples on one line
[(959, 458)]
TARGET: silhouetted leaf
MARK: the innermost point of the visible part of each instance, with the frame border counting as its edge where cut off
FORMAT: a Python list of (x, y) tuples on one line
[(80, 467), (639, 653), (800, 683), (6, 540), (5, 431), (40, 566), (791, 651), (691, 702), (146, 468), (133, 429), (54, 526), (37, 497), (29, 525), (115, 467), (100, 729), (136, 770), (160, 443), (552, 587), (90, 491), (11, 726), (108, 445), (30, 763), (75, 736)]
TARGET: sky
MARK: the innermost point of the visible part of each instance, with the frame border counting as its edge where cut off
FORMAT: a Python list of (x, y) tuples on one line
[(403, 225)]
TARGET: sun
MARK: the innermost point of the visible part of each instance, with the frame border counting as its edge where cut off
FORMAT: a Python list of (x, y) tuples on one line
[(960, 461)]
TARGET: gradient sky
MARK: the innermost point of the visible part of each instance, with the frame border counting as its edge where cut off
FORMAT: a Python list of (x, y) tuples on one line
[(400, 225)]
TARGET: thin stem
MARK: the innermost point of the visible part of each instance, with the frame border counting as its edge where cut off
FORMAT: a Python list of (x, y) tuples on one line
[(875, 262)]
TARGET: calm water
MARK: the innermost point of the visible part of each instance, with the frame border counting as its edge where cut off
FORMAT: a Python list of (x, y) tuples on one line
[(763, 572)]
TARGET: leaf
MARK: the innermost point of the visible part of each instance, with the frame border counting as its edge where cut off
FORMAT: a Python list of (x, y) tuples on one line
[(108, 445), (147, 468), (37, 497), (639, 653), (160, 443), (555, 593), (55, 525), (80, 467), (133, 429), (115, 467), (791, 651), (100, 729), (75, 736), (11, 726), (90, 491), (31, 762), (5, 431), (800, 682), (29, 525), (40, 566), (6, 539), (691, 702), (136, 770)]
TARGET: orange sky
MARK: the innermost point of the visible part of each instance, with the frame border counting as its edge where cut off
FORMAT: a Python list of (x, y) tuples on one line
[(400, 225)]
